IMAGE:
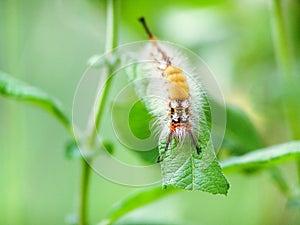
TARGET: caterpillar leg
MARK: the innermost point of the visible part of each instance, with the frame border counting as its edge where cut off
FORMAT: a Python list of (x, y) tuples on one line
[(199, 150), (160, 157)]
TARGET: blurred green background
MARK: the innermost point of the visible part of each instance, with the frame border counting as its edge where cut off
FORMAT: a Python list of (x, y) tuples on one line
[(48, 43)]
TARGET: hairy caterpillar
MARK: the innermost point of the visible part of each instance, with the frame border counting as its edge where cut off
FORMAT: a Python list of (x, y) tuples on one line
[(180, 124)]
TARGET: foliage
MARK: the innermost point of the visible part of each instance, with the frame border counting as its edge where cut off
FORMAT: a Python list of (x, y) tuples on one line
[(13, 88), (265, 157), (238, 41)]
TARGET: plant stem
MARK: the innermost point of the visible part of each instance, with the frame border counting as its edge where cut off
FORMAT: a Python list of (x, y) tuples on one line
[(111, 42), (111, 26), (281, 40), (285, 63), (84, 184), (280, 180)]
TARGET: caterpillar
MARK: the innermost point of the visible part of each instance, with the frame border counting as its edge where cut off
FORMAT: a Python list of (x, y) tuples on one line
[(182, 120)]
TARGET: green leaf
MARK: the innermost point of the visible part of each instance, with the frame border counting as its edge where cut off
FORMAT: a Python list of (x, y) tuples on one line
[(183, 168), (191, 177), (264, 157), (241, 135), (139, 121), (72, 150), (19, 90), (135, 201), (109, 147)]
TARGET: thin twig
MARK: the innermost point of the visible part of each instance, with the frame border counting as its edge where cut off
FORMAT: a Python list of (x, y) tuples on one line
[(111, 42)]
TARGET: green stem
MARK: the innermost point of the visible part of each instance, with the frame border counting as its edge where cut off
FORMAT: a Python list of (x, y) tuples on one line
[(111, 32), (111, 42), (280, 180), (298, 172), (84, 184), (281, 40), (284, 61)]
